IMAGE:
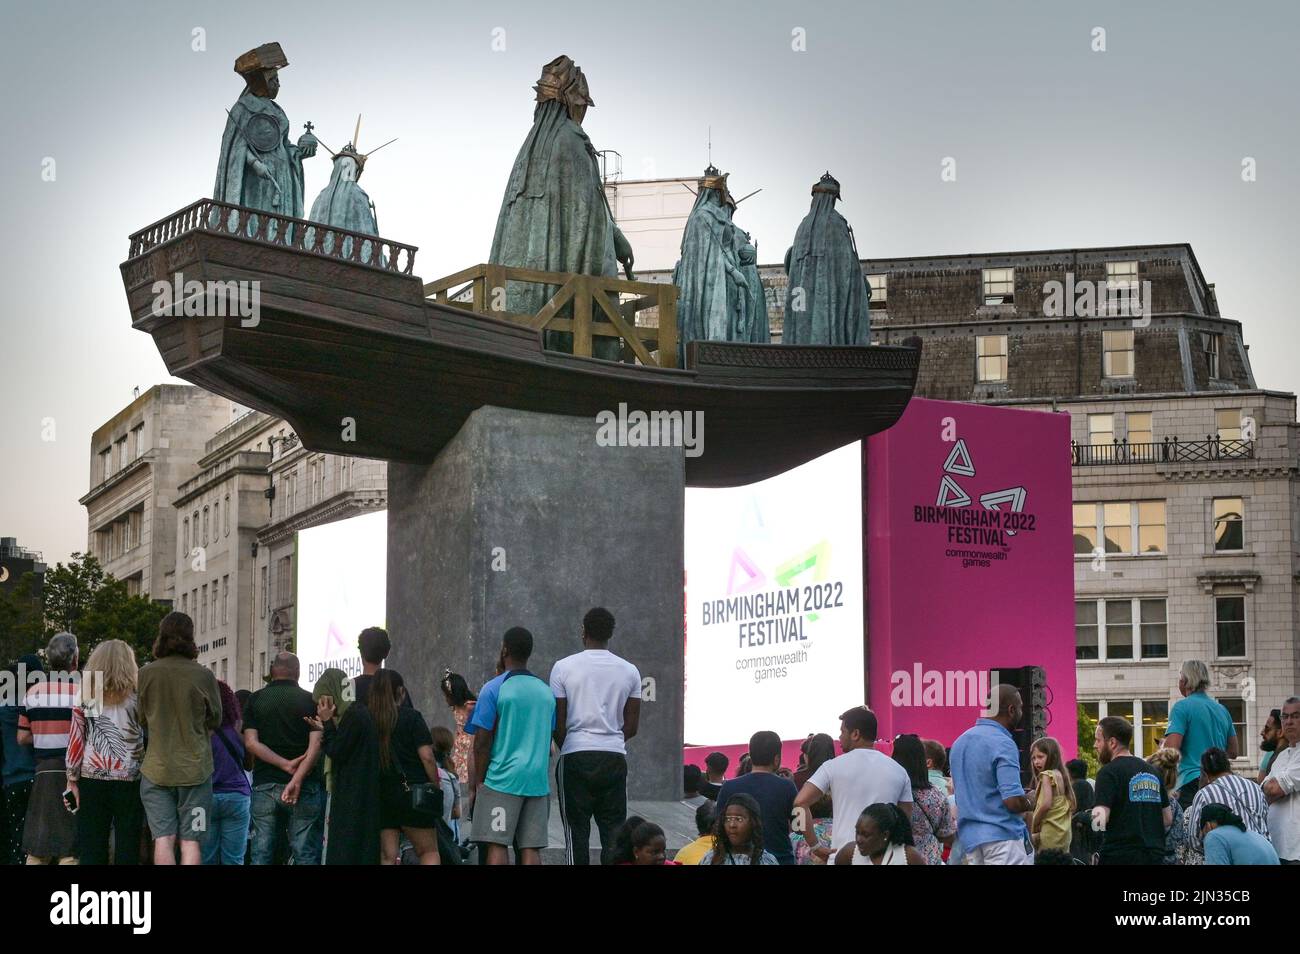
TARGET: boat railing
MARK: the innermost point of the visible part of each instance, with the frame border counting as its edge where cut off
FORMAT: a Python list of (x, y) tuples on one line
[(272, 228)]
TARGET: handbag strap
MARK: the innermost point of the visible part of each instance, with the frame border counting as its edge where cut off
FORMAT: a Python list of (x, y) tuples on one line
[(238, 759)]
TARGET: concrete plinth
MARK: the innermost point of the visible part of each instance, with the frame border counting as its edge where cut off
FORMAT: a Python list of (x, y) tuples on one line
[(523, 520)]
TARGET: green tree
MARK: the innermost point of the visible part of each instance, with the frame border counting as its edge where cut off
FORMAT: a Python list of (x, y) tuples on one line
[(82, 599), (21, 628), (1087, 741)]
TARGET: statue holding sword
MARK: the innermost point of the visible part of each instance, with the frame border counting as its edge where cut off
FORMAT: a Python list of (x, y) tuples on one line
[(259, 167)]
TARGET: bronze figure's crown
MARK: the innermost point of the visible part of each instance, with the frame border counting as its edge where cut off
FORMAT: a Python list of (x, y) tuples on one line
[(563, 81), (268, 56), (827, 183), (713, 178)]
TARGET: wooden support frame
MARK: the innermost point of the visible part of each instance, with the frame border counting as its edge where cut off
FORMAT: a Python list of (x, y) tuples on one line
[(570, 308)]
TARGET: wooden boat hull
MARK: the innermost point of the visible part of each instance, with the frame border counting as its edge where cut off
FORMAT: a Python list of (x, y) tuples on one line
[(359, 362)]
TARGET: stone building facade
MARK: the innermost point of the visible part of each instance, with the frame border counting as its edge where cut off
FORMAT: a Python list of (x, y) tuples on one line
[(138, 458), (199, 512), (1185, 471)]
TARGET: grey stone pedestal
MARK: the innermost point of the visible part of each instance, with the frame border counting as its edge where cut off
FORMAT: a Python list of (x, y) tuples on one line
[(523, 520)]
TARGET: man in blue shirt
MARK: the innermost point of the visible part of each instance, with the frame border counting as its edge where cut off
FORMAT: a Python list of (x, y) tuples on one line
[(990, 799), (512, 725), (775, 795), (1197, 723)]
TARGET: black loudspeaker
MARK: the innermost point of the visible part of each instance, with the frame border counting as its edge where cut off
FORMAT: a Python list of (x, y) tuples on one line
[(1031, 682)]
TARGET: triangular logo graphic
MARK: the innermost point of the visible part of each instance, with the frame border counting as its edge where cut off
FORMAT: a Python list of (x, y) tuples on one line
[(754, 576), (816, 558), (950, 494), (1012, 495), (959, 461)]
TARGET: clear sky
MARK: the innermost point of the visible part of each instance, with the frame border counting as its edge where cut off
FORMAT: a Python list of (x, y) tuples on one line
[(1056, 146)]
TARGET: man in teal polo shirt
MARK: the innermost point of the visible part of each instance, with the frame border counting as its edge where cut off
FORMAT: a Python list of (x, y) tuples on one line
[(512, 725), (1197, 722)]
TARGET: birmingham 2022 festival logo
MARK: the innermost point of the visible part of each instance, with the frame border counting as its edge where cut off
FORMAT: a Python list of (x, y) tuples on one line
[(977, 536)]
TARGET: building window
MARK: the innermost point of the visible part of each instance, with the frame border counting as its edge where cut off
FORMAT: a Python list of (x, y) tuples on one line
[(283, 581), (216, 520), (205, 526), (1117, 354), (1230, 625), (1227, 423), (225, 599), (105, 464), (1153, 640), (185, 603), (1229, 531), (261, 664), (265, 574), (1121, 288), (1086, 630), (214, 604), (879, 285), (991, 357), (1237, 711), (138, 440), (1117, 527), (1151, 526), (1149, 718), (186, 534), (999, 286), (203, 609), (1120, 630), (1138, 426), (225, 529), (1155, 722), (1126, 527), (1085, 529), (122, 458), (225, 669), (1101, 434), (194, 602), (1210, 348)]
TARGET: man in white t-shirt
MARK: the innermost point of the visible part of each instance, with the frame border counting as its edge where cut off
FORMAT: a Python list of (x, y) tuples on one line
[(597, 709), (858, 778)]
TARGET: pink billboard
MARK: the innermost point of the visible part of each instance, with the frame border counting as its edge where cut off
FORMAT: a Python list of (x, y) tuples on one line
[(970, 564)]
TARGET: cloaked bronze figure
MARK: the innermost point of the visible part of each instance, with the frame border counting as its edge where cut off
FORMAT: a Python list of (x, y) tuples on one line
[(554, 215), (258, 166)]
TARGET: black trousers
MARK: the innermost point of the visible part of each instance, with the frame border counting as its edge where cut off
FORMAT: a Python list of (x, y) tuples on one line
[(109, 807), (11, 839), (591, 785)]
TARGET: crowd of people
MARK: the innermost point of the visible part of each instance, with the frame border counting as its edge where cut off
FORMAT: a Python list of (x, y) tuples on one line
[(111, 763)]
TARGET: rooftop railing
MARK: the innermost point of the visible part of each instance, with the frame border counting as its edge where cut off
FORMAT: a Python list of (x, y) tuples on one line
[(1170, 450)]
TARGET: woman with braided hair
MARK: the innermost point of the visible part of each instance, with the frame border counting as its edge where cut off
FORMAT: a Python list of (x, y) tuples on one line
[(883, 837)]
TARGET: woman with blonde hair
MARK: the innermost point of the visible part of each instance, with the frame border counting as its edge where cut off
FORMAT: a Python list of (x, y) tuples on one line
[(1177, 848), (1053, 796), (105, 746)]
